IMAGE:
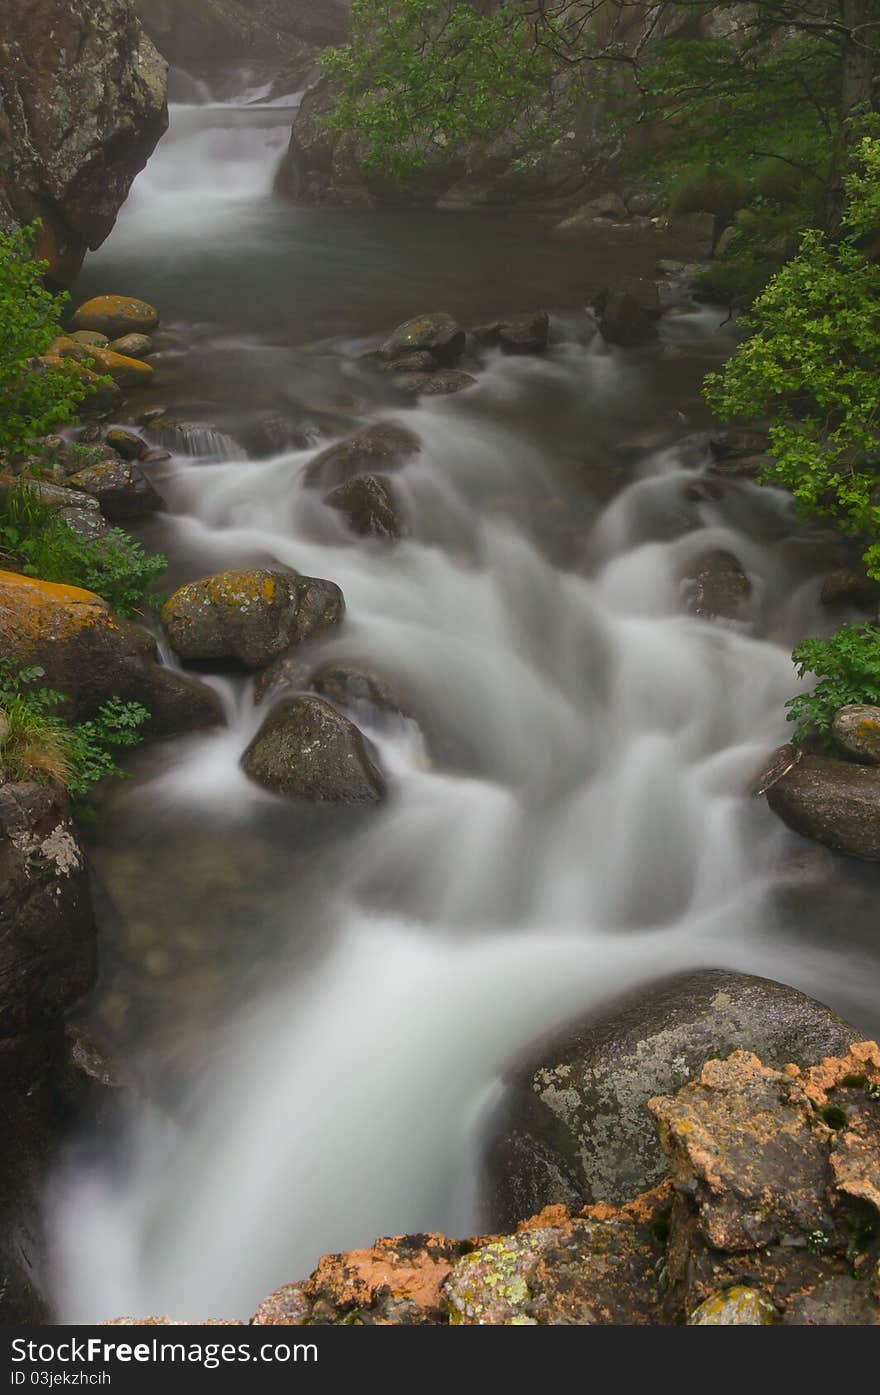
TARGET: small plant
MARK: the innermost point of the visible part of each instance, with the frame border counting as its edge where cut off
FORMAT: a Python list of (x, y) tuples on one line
[(36, 743), (817, 1242), (33, 399), (115, 567), (848, 667)]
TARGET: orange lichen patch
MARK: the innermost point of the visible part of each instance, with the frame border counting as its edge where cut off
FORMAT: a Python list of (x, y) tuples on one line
[(406, 1266), (557, 1215), (35, 613), (862, 1060)]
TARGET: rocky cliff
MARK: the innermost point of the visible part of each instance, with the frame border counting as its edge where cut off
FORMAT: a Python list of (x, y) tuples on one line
[(82, 106)]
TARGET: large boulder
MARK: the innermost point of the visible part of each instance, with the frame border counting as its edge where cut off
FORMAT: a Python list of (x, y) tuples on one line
[(116, 315), (573, 1127), (717, 588), (368, 503), (47, 930), (305, 749), (91, 655), (251, 616), (623, 319), (82, 106), (384, 445), (834, 802)]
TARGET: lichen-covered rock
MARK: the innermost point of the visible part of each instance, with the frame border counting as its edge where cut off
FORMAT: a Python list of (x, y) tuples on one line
[(437, 334), (82, 106), (441, 383), (773, 1189), (116, 315), (856, 732), (286, 1307), (396, 1282), (385, 445), (368, 503), (834, 802), (91, 655), (734, 1307), (717, 588), (126, 443), (574, 1127), (120, 487), (305, 749), (127, 372), (251, 616), (47, 930)]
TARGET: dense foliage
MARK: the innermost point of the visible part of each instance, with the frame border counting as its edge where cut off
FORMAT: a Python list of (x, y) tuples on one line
[(31, 402), (36, 743), (41, 544), (810, 366), (848, 667)]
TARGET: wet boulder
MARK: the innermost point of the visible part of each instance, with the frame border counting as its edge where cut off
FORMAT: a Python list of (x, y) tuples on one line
[(307, 750), (368, 503), (523, 334), (851, 586), (574, 1127), (856, 732), (115, 316), (126, 443), (251, 615), (607, 207), (717, 588), (120, 487), (441, 383), (437, 334), (834, 802), (641, 289), (92, 655), (356, 685), (47, 930), (132, 345), (624, 321), (384, 446)]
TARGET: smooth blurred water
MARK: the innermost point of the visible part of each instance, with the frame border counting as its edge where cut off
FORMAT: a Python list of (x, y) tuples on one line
[(320, 1005)]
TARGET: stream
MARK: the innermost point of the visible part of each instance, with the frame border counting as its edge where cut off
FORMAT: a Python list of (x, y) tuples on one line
[(317, 1005)]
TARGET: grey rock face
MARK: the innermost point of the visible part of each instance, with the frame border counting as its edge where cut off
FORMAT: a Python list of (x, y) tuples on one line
[(305, 749), (82, 106), (835, 802)]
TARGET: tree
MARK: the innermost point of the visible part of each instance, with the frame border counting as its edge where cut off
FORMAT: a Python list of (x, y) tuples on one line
[(779, 78)]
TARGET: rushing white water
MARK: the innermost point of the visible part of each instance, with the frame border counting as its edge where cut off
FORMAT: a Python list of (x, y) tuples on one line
[(591, 831)]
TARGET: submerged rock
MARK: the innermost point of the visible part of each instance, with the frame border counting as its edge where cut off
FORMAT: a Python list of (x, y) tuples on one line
[(522, 334), (437, 334), (574, 1128), (251, 615), (717, 587), (92, 655), (353, 685), (622, 320), (384, 445), (305, 749), (436, 384), (368, 504), (833, 801)]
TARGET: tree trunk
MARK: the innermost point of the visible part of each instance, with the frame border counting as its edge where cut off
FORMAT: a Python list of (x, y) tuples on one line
[(861, 24)]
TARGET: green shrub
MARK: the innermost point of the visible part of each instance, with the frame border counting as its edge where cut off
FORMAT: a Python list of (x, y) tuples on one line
[(38, 539), (32, 402), (848, 667), (40, 745)]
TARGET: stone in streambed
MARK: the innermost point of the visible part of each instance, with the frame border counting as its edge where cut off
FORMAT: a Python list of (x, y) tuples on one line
[(121, 489), (522, 334), (834, 802), (132, 345), (91, 337), (851, 586), (127, 372), (367, 501), (251, 616), (355, 685), (856, 732), (385, 444), (436, 384), (717, 587), (307, 750), (574, 1127), (735, 1307), (438, 334), (126, 443), (116, 315), (623, 321)]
